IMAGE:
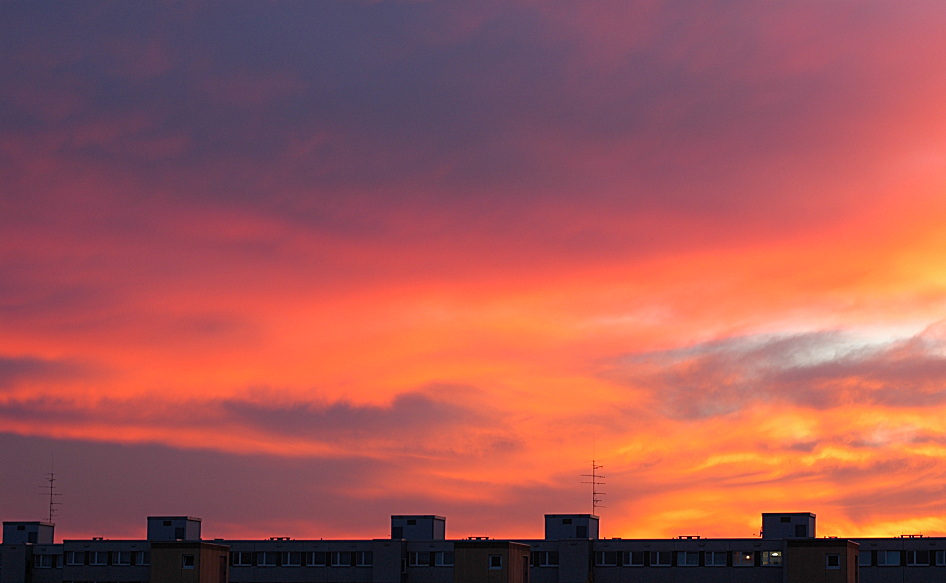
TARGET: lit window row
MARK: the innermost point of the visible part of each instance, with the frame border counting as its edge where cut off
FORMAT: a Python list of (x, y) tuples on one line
[(47, 561), (686, 558), (545, 558), (430, 559), (887, 558), (298, 559), (102, 558)]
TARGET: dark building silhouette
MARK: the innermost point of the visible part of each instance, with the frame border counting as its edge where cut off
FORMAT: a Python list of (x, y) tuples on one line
[(788, 551)]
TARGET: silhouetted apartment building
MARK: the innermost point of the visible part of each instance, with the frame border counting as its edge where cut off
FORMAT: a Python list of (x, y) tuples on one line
[(788, 551)]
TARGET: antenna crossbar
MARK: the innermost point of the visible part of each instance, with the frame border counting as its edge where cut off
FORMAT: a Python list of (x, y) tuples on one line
[(595, 481), (51, 491)]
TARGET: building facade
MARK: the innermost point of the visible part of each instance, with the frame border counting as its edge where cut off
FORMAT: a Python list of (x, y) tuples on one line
[(418, 551)]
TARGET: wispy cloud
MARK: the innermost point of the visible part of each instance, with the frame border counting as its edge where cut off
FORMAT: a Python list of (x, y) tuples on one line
[(822, 370), (15, 370)]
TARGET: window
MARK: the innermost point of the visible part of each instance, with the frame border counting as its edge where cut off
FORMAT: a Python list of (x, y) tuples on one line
[(941, 558), (660, 558), (771, 558), (316, 559), (187, 561), (242, 558), (743, 559), (443, 558), (495, 561), (266, 559), (121, 557), (566, 521), (545, 559), (715, 558), (397, 532), (418, 559), (688, 559), (291, 559), (918, 558), (581, 531), (832, 561), (341, 559), (606, 558), (98, 558), (864, 559), (44, 561), (366, 558), (142, 558), (801, 531), (888, 558), (634, 558), (411, 522)]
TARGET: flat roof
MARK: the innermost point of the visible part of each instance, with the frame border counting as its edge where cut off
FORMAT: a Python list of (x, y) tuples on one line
[(174, 518)]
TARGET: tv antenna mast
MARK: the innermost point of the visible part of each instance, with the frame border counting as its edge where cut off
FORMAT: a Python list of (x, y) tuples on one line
[(596, 480), (51, 490)]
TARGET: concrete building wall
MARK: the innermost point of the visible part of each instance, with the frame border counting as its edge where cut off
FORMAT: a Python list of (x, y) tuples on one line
[(106, 560), (15, 562), (188, 562), (907, 559), (430, 561), (688, 559), (575, 560), (389, 560), (290, 561), (545, 560), (519, 564), (486, 561), (821, 561), (47, 563)]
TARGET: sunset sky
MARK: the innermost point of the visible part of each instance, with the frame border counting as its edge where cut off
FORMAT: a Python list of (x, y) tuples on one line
[(295, 267)]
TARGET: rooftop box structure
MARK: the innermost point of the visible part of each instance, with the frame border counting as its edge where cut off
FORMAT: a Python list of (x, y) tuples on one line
[(34, 533), (787, 525), (418, 527), (571, 526), (173, 528)]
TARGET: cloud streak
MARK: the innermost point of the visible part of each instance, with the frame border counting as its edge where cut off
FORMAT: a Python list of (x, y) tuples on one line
[(25, 369), (818, 370)]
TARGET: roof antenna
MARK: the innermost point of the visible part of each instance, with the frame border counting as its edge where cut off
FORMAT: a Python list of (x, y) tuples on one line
[(51, 490), (595, 482)]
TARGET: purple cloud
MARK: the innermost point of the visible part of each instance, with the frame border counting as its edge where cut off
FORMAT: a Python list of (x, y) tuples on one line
[(821, 370)]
